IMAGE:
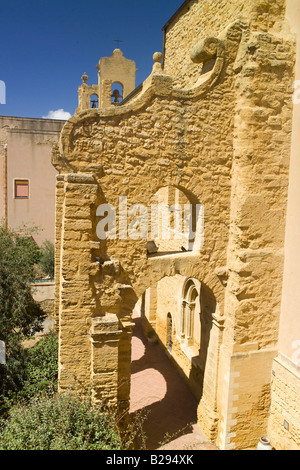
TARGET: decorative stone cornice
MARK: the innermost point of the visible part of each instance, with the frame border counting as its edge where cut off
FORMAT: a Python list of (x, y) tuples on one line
[(107, 326)]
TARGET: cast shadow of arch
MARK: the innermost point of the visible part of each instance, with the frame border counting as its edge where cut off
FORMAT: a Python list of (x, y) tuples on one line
[(207, 306), (176, 412)]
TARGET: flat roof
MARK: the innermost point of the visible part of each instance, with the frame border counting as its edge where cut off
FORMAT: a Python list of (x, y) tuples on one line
[(31, 118)]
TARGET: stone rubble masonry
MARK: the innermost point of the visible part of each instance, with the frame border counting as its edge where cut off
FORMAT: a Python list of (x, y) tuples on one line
[(219, 129)]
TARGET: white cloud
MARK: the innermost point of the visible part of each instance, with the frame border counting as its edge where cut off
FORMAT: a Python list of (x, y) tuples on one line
[(58, 114)]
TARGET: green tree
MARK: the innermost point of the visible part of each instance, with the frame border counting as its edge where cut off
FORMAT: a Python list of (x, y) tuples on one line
[(20, 315), (46, 261), (41, 368), (60, 422)]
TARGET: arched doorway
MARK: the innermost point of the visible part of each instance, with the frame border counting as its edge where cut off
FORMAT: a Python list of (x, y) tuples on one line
[(169, 353), (112, 274), (160, 399)]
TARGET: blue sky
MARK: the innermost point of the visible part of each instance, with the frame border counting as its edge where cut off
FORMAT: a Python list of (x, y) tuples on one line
[(46, 46)]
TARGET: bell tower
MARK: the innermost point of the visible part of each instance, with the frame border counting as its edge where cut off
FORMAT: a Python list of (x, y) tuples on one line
[(116, 80)]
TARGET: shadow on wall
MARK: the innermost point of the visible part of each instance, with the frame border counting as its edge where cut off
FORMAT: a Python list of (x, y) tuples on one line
[(159, 393), (160, 390), (207, 308)]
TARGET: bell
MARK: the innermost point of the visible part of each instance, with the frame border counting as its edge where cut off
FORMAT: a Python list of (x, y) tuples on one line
[(94, 104), (116, 95)]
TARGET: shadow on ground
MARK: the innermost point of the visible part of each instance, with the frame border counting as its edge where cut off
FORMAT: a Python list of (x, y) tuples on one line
[(160, 394)]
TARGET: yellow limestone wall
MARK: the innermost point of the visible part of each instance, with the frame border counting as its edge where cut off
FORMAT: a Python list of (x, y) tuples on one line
[(223, 138), (284, 424)]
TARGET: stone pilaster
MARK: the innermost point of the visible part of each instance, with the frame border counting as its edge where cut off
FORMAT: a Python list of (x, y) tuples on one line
[(73, 280), (256, 243), (124, 365), (58, 235), (105, 337), (208, 416)]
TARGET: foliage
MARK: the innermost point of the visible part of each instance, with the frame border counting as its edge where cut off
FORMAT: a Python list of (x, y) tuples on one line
[(61, 422), (41, 368), (20, 315), (46, 261)]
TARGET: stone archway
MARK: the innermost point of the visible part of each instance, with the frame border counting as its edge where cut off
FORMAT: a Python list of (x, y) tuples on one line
[(195, 139), (97, 294)]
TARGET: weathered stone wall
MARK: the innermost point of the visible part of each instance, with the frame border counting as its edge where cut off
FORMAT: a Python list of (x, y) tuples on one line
[(284, 425), (203, 18), (258, 207), (225, 143)]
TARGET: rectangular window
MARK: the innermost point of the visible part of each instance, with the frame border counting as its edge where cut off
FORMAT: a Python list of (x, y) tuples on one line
[(21, 189)]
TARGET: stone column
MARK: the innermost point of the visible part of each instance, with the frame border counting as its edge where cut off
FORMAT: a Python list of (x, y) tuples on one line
[(105, 93), (208, 416), (149, 321), (124, 367), (183, 319), (190, 307)]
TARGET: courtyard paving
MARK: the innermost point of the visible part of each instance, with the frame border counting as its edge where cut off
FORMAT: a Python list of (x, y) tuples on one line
[(161, 397)]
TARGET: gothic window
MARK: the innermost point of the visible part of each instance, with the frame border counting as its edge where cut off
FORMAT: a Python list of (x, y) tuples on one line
[(190, 315)]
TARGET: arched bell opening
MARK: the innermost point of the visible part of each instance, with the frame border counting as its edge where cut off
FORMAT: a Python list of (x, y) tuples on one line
[(94, 101), (116, 93)]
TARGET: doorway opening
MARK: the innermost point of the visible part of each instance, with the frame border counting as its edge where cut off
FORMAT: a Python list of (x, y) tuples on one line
[(167, 369)]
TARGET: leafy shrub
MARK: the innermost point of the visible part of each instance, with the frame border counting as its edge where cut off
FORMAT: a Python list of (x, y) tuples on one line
[(61, 422), (41, 367), (39, 373), (46, 261), (20, 315)]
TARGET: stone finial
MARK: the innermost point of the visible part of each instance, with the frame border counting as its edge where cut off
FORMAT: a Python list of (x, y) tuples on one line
[(84, 78), (157, 57)]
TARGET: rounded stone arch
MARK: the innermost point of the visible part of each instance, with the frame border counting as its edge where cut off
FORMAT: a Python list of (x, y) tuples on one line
[(137, 272), (191, 287), (177, 222), (94, 103), (117, 92)]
